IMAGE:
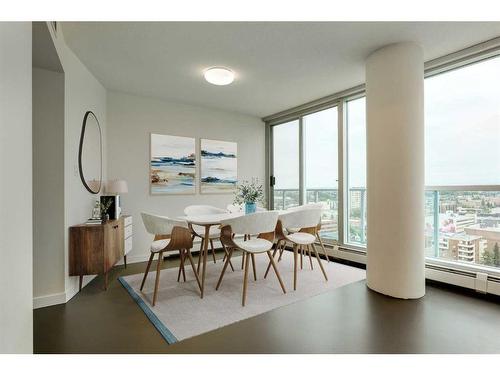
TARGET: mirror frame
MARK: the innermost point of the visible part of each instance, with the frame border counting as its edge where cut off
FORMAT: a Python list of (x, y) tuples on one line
[(80, 149)]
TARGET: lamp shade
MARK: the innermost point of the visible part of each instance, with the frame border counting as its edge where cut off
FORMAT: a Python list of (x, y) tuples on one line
[(116, 187)]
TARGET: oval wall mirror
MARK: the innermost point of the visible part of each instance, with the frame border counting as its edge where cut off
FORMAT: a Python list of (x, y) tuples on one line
[(90, 153)]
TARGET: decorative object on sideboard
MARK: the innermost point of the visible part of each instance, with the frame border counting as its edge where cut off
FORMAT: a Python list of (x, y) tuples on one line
[(90, 153), (108, 208), (172, 166), (96, 214), (115, 188), (249, 193), (218, 166)]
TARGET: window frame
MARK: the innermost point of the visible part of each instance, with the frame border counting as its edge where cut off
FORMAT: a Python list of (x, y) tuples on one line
[(457, 60)]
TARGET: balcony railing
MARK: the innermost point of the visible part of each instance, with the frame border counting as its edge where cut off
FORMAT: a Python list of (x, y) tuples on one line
[(463, 225), (286, 198)]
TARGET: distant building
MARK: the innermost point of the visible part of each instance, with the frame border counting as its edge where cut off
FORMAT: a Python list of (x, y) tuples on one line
[(462, 247), (490, 235)]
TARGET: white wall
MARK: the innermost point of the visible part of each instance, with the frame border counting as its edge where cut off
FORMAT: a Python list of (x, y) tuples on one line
[(82, 92), (48, 184), (131, 119), (16, 315)]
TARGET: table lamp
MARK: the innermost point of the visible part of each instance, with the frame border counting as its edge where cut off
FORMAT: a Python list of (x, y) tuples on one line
[(117, 187)]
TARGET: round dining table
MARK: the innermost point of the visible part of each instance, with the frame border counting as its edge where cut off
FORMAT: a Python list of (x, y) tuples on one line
[(207, 221)]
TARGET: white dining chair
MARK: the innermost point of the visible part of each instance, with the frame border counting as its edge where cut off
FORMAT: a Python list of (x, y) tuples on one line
[(318, 229), (261, 223), (307, 220), (169, 235), (199, 231)]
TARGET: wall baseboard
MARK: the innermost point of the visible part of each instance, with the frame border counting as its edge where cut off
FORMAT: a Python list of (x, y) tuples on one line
[(49, 300), (59, 298)]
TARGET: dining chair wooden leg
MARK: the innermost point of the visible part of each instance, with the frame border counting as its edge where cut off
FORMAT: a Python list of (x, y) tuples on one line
[(245, 281), (243, 259), (310, 258), (200, 256), (228, 260), (253, 266), (181, 266), (274, 254), (205, 253), (226, 255), (157, 281), (282, 249), (190, 257), (301, 249), (213, 250), (323, 247), (271, 260), (295, 264), (319, 261), (147, 269)]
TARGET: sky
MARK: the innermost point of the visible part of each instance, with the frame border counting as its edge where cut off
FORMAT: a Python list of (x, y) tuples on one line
[(462, 126), (462, 135)]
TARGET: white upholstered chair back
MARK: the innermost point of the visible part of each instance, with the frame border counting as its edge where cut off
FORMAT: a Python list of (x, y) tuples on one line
[(160, 224), (305, 218), (306, 207), (202, 210), (258, 222)]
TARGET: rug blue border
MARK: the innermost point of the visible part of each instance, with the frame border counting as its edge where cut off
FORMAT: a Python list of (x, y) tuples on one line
[(164, 331)]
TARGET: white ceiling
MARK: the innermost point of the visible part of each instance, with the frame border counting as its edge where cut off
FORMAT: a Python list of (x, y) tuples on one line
[(278, 65)]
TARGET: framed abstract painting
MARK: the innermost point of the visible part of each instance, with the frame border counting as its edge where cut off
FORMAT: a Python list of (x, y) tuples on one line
[(219, 166), (172, 168)]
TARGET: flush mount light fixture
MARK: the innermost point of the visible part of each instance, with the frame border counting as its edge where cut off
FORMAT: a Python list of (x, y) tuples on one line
[(219, 75)]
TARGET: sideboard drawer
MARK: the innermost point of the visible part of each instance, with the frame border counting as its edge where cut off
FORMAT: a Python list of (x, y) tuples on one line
[(127, 220), (128, 245), (128, 231)]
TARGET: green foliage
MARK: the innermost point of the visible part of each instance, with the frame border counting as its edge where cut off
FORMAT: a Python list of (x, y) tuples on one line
[(496, 255), (487, 258), (492, 258), (249, 192)]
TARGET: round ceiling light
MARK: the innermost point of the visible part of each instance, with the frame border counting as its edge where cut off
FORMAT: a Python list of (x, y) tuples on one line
[(219, 76)]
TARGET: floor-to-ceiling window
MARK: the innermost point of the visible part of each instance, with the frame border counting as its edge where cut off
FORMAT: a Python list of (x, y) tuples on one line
[(355, 232), (286, 167), (305, 166), (321, 167), (462, 164)]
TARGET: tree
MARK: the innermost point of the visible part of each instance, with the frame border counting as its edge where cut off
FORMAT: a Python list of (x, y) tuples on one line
[(496, 255), (487, 258)]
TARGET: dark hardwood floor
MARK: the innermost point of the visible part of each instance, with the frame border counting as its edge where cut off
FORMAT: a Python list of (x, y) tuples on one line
[(351, 319)]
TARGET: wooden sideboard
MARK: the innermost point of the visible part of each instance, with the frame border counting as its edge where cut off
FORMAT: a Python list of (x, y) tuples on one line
[(95, 248)]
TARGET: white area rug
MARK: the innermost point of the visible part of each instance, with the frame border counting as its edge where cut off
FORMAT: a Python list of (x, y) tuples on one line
[(181, 313)]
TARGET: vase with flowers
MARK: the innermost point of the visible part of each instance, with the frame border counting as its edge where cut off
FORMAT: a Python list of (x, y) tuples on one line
[(249, 193)]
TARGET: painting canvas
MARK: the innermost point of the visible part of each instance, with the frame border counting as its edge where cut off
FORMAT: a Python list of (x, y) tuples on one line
[(219, 166), (172, 165)]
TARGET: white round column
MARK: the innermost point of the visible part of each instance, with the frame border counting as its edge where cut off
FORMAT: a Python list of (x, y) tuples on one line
[(395, 170)]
